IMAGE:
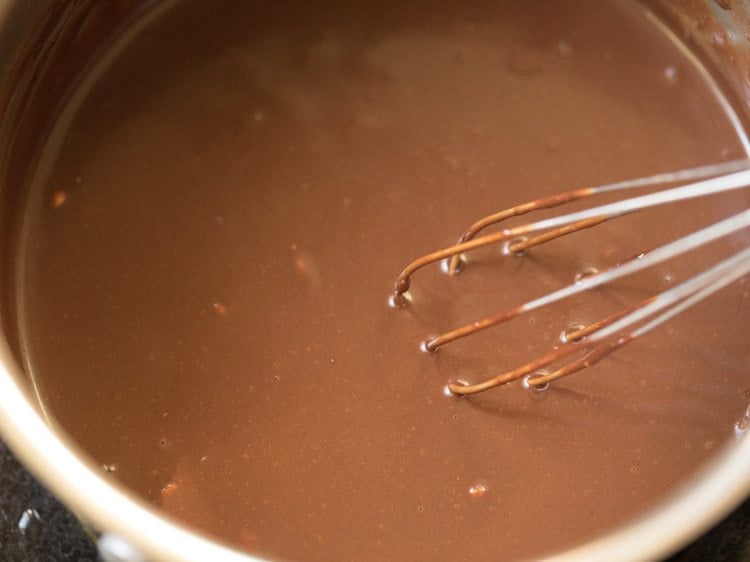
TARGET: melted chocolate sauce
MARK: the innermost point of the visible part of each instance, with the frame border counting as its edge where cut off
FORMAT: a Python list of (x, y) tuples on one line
[(204, 275)]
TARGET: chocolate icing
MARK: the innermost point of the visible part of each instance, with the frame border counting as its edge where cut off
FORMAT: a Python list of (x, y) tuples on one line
[(203, 277)]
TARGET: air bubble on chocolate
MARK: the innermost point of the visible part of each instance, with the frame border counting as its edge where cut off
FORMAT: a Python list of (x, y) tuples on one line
[(742, 426), (58, 199), (169, 489), (565, 334), (399, 301), (538, 392), (424, 347), (477, 490), (507, 247), (447, 388), (671, 74), (587, 271), (306, 267), (667, 279), (29, 520), (717, 39), (460, 264)]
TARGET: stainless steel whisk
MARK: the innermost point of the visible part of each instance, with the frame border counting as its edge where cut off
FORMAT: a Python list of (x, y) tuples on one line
[(594, 342)]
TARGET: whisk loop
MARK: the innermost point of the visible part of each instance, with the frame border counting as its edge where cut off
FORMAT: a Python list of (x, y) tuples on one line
[(600, 339), (570, 196)]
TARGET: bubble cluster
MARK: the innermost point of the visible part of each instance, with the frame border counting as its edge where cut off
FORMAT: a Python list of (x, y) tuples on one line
[(477, 490), (743, 425)]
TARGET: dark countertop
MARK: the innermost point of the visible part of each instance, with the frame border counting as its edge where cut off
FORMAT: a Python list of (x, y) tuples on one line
[(52, 534)]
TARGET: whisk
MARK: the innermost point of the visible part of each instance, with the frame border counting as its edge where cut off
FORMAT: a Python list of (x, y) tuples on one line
[(596, 341)]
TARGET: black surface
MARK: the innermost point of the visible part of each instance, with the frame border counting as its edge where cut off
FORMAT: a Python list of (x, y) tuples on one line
[(729, 541), (53, 534)]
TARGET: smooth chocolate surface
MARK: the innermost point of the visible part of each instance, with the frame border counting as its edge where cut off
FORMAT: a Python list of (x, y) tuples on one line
[(203, 279)]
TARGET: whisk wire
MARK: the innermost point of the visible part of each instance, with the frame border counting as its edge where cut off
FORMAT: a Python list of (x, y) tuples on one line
[(712, 186), (600, 339), (672, 302), (663, 253), (548, 202)]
